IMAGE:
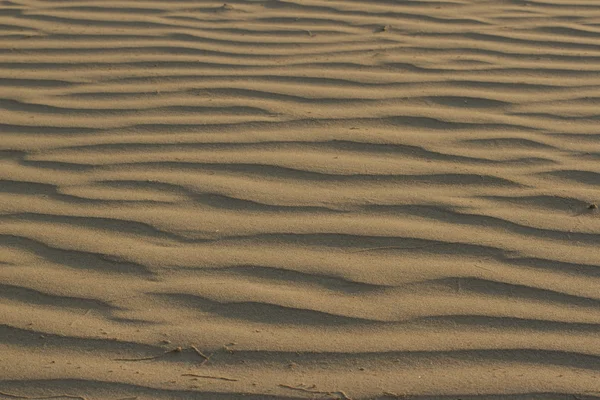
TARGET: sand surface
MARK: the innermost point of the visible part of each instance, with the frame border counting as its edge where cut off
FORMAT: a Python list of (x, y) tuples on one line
[(299, 199)]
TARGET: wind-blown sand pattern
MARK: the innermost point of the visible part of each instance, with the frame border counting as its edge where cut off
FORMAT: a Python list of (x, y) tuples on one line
[(300, 199)]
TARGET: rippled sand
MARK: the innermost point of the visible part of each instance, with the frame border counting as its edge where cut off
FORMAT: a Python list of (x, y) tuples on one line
[(300, 199)]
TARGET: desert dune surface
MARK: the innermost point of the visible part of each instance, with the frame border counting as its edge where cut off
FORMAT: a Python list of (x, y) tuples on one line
[(300, 199)]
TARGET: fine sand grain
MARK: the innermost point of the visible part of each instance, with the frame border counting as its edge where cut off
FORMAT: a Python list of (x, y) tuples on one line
[(290, 199)]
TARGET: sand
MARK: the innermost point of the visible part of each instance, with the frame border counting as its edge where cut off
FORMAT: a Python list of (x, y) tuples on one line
[(299, 199)]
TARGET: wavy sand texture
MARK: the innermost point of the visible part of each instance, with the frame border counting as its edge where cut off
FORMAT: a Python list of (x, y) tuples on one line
[(299, 199)]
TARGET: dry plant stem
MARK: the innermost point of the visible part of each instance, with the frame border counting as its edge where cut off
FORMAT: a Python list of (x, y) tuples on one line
[(175, 350), (59, 396), (341, 393), (206, 358), (221, 378)]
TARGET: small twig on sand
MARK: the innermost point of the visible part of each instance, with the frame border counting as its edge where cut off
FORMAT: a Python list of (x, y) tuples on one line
[(201, 354), (175, 350), (60, 396), (302, 389), (342, 395), (221, 378)]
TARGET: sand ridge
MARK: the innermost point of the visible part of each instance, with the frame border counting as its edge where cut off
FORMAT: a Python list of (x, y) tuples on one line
[(299, 199)]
